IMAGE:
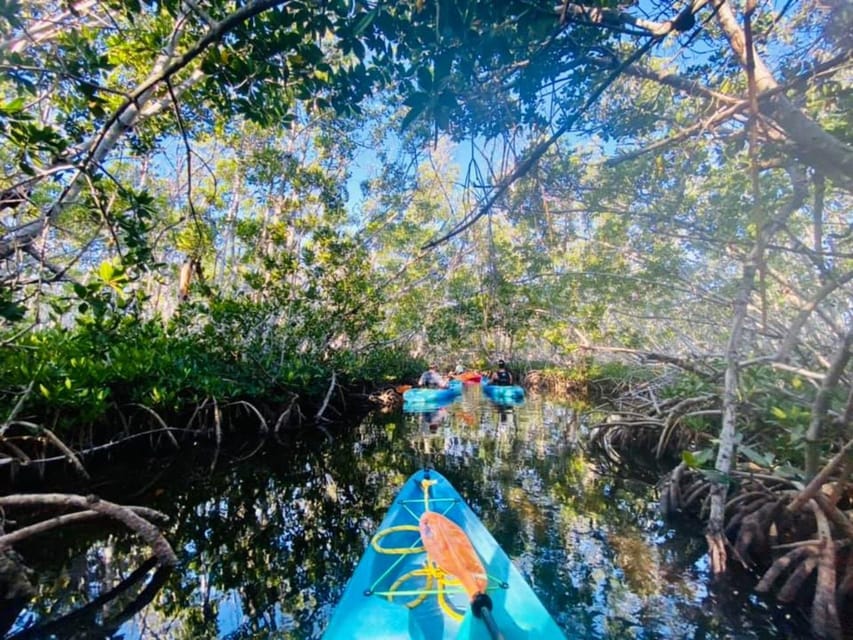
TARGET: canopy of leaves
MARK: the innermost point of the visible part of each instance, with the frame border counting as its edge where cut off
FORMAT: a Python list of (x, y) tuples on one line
[(178, 163)]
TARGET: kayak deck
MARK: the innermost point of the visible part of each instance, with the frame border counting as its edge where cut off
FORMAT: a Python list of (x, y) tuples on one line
[(398, 592)]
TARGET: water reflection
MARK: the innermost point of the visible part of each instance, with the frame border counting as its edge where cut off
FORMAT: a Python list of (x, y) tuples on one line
[(106, 612), (268, 543)]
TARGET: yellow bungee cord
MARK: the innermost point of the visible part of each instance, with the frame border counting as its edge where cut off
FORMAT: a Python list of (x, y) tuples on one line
[(436, 581)]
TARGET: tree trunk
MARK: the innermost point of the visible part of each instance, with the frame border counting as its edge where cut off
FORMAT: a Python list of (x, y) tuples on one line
[(821, 406), (714, 533)]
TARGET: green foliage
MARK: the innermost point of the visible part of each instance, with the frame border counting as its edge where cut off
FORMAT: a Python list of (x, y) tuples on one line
[(10, 311), (80, 377), (34, 143), (195, 239), (618, 370), (379, 365), (778, 409), (697, 459), (225, 348), (687, 385)]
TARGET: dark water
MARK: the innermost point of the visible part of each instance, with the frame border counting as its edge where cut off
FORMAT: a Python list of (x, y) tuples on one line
[(268, 539)]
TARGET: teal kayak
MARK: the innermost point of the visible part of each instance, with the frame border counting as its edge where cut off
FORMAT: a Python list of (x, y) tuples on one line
[(400, 591), (419, 398), (504, 394)]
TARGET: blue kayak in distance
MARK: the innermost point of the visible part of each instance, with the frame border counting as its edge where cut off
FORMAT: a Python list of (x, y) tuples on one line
[(504, 394), (398, 592), (426, 399)]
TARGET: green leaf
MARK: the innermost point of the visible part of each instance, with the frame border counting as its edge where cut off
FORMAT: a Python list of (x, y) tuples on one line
[(778, 413), (418, 102), (365, 21), (715, 476), (106, 271), (14, 106), (697, 459), (763, 460), (424, 78), (789, 472)]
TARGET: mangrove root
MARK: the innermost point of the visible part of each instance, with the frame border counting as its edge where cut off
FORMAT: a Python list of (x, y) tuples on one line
[(127, 516)]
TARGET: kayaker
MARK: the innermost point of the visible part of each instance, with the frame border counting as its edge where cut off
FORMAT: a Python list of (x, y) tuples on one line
[(501, 377), (432, 379), (457, 372)]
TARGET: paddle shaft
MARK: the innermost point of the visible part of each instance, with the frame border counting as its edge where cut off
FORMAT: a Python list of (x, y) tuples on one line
[(489, 621)]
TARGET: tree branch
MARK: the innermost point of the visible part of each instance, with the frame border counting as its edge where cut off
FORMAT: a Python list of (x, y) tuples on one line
[(598, 16), (533, 155), (822, 403), (812, 144), (48, 28), (717, 118)]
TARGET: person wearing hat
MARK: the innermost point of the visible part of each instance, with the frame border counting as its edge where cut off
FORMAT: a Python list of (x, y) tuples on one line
[(501, 377), (432, 379), (456, 372)]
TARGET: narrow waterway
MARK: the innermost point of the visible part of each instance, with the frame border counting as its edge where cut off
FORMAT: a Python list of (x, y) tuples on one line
[(269, 537)]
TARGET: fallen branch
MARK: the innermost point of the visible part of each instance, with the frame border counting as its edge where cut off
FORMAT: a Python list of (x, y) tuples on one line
[(24, 459), (69, 454)]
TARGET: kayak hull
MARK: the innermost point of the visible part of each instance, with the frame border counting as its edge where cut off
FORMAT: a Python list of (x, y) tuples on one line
[(504, 394), (392, 595), (423, 399)]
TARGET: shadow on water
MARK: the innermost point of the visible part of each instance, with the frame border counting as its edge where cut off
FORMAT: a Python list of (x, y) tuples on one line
[(268, 542)]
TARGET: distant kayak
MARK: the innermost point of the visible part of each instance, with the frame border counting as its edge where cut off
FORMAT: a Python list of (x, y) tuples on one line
[(420, 398), (506, 394), (428, 567), (469, 377)]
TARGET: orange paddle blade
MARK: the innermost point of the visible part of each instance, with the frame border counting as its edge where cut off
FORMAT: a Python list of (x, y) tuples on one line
[(448, 546)]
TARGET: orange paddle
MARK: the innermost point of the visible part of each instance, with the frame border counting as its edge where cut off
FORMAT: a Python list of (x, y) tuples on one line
[(448, 546)]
